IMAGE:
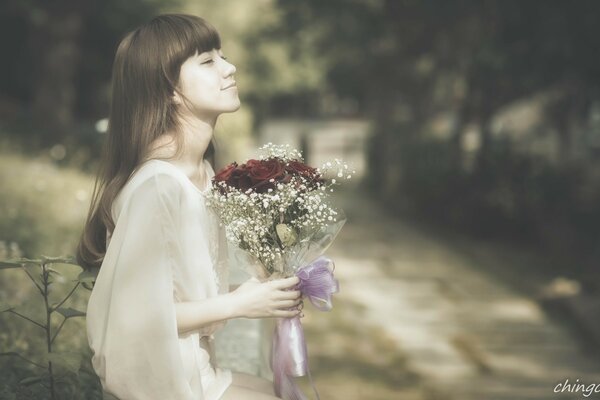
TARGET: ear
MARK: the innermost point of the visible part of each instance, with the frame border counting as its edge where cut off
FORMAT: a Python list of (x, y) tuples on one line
[(175, 98)]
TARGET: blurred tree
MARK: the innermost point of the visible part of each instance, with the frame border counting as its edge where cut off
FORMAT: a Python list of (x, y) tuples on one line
[(278, 75), (44, 73), (386, 52), (408, 61)]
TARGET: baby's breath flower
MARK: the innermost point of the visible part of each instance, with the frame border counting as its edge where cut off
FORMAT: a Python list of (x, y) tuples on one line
[(299, 205)]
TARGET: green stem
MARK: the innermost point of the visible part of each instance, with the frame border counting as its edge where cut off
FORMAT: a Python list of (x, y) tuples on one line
[(14, 353), (58, 330), (65, 299), (32, 279), (45, 275), (27, 318)]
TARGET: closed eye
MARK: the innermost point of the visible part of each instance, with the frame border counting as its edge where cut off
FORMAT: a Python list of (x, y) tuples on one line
[(210, 61)]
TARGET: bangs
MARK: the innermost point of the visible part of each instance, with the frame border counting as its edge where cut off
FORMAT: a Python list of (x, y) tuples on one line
[(196, 34), (204, 37), (180, 36)]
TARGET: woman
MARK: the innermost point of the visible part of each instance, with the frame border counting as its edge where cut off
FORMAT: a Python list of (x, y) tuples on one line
[(161, 290)]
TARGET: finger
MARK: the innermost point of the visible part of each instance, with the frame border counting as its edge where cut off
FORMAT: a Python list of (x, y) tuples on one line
[(288, 295), (288, 303), (286, 283), (286, 314)]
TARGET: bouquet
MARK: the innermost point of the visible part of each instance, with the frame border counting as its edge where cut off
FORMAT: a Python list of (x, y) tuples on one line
[(277, 217)]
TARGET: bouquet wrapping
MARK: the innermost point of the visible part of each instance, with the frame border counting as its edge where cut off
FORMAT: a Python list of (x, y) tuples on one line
[(276, 216)]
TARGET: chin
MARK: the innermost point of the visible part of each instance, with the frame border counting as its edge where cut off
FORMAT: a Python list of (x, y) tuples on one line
[(236, 106)]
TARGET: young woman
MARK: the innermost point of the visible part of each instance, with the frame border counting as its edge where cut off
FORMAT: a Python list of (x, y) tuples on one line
[(162, 287)]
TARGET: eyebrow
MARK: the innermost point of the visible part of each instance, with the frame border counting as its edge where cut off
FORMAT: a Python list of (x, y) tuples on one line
[(209, 52)]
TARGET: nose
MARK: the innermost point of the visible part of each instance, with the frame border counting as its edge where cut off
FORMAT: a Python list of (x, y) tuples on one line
[(230, 69)]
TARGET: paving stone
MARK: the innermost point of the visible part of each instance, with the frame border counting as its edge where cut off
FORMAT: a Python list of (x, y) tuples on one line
[(468, 334)]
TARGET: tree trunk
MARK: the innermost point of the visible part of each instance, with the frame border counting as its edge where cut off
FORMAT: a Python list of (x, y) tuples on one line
[(55, 45)]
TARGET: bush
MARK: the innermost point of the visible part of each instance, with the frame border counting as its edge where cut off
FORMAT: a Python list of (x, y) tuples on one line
[(42, 211), (510, 195)]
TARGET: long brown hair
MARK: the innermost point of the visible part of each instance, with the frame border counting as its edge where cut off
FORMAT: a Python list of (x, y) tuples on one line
[(144, 77)]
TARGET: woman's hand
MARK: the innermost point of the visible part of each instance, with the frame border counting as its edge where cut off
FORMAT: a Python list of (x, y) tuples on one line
[(255, 299)]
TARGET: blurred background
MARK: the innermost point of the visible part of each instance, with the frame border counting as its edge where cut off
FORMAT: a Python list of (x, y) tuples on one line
[(469, 263)]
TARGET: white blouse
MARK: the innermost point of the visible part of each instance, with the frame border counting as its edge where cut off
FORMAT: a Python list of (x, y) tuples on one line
[(166, 247)]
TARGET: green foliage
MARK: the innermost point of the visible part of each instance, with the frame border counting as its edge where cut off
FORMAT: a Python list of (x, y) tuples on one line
[(43, 206), (276, 74), (52, 367), (408, 62), (43, 210), (511, 196)]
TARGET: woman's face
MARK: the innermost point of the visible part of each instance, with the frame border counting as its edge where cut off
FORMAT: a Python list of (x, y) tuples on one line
[(206, 79)]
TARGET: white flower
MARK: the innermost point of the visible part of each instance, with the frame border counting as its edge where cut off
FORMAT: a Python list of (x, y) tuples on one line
[(248, 216)]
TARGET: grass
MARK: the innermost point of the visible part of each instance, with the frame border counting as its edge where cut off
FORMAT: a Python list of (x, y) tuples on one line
[(42, 212), (43, 206)]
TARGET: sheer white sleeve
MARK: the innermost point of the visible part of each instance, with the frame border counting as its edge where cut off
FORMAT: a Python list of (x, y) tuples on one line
[(132, 327), (220, 248)]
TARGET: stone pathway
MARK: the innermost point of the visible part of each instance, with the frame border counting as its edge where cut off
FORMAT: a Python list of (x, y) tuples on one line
[(466, 333), (469, 335)]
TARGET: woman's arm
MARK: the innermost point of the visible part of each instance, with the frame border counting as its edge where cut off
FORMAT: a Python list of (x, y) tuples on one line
[(193, 315), (252, 299)]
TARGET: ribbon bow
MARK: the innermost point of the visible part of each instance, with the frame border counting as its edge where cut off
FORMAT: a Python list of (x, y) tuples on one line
[(289, 356)]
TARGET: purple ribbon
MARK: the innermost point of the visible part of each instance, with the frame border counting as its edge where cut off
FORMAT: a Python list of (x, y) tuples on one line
[(289, 355)]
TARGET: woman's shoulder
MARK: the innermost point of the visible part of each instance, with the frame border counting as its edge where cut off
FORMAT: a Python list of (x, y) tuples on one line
[(151, 178), (158, 171)]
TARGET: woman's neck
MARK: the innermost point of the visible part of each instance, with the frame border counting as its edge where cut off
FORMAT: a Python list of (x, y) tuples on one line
[(196, 135)]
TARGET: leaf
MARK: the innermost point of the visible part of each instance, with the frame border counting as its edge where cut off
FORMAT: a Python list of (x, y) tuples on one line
[(86, 276), (23, 260), (32, 379), (70, 312), (53, 271), (60, 260), (9, 264), (67, 360), (5, 307)]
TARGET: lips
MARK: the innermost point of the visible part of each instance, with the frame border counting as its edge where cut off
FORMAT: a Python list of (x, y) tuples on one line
[(229, 86)]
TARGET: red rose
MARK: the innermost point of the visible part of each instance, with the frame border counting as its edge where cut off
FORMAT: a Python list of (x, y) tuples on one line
[(299, 168), (239, 178), (224, 174), (261, 172), (252, 163), (306, 171)]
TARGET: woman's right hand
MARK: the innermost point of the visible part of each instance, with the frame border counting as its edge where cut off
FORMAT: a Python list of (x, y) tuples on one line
[(255, 299)]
